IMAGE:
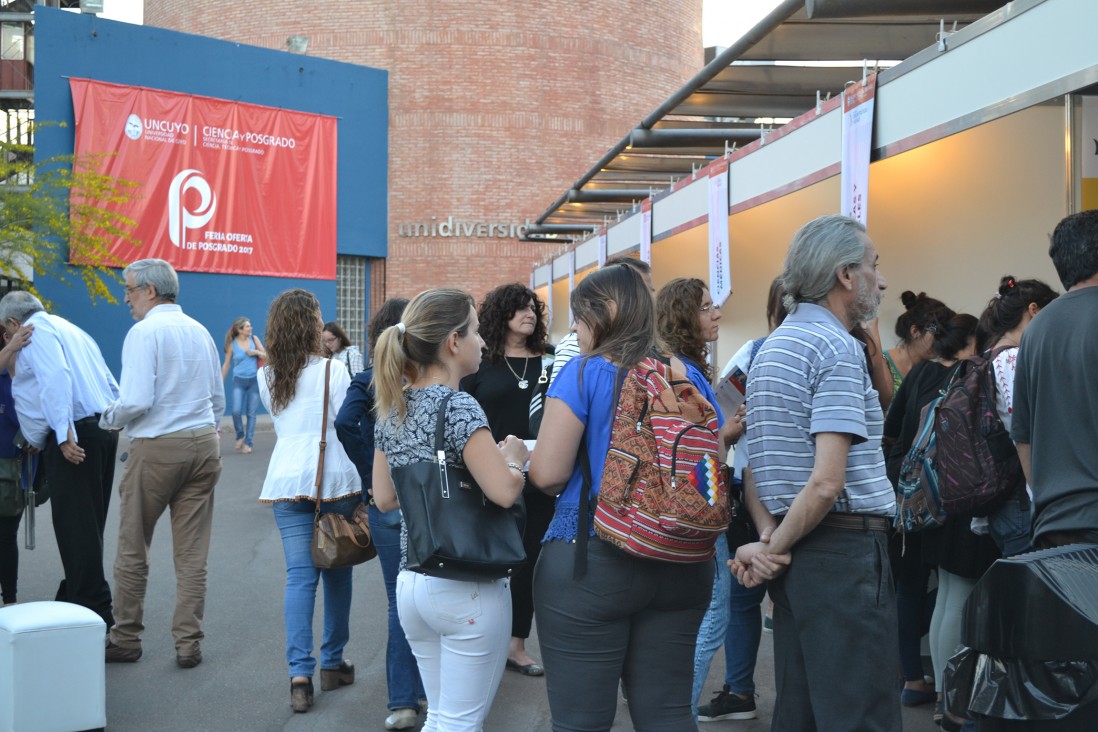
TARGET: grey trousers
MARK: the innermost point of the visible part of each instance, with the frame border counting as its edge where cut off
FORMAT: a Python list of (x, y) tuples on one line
[(836, 658), (627, 618)]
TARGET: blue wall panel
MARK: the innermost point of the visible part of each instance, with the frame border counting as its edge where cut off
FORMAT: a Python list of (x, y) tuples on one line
[(71, 44)]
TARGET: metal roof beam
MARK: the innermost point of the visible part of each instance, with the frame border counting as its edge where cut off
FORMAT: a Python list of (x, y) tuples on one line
[(862, 8), (605, 195), (702, 137)]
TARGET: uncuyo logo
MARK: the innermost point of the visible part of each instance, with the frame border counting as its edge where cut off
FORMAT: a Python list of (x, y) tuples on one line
[(179, 217), (134, 126)]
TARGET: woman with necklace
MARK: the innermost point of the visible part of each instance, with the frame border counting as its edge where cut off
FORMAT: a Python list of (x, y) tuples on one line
[(512, 324)]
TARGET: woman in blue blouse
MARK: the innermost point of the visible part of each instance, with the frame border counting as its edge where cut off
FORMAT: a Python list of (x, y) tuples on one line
[(242, 354), (623, 617)]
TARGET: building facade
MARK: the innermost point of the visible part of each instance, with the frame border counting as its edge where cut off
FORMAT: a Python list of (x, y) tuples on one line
[(483, 98)]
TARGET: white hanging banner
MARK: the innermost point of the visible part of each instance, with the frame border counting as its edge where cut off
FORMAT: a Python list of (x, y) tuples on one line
[(602, 247), (720, 275), (857, 144), (1088, 147), (571, 282), (646, 231), (549, 306)]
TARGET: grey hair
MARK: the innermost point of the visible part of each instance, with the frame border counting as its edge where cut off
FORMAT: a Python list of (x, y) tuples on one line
[(159, 274), (818, 251), (19, 305)]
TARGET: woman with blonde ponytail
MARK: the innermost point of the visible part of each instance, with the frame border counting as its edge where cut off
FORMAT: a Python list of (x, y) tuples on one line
[(459, 631)]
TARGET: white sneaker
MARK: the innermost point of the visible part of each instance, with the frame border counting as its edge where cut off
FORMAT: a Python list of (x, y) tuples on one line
[(401, 719)]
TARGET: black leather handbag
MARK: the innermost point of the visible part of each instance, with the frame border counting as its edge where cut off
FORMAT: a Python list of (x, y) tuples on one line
[(454, 531)]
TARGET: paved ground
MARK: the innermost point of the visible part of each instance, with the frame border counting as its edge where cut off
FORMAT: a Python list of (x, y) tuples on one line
[(242, 683)]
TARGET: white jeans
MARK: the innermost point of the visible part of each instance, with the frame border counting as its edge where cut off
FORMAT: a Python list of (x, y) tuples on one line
[(459, 632)]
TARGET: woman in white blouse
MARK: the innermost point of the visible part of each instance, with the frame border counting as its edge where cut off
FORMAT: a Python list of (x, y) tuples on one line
[(291, 386)]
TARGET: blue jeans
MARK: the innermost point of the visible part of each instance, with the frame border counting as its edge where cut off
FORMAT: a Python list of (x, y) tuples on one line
[(401, 672), (1011, 525), (714, 626), (245, 392), (741, 644), (295, 523)]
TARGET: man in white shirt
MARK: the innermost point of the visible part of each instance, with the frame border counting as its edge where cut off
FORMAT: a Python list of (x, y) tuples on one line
[(61, 386), (171, 397)]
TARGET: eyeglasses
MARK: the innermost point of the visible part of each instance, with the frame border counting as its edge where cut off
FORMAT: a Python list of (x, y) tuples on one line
[(710, 306), (130, 290)]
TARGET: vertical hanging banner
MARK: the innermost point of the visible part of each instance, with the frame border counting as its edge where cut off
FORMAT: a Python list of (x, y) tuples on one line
[(571, 282), (720, 274), (646, 231), (602, 247), (223, 186), (858, 103), (1088, 146)]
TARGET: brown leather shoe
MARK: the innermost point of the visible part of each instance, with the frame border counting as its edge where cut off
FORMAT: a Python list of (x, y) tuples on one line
[(189, 661), (301, 695), (333, 678), (117, 654)]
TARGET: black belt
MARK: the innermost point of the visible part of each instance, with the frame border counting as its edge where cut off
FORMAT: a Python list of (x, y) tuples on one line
[(94, 419), (856, 521)]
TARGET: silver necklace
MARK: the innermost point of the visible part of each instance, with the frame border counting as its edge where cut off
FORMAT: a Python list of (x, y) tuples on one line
[(522, 382)]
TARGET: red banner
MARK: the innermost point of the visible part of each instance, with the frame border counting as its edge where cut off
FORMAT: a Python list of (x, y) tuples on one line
[(225, 187)]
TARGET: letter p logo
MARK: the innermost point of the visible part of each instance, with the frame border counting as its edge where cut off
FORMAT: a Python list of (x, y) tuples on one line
[(179, 218)]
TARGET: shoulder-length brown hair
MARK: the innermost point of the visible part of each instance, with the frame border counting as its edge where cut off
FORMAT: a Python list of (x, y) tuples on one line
[(293, 335), (234, 331), (677, 306), (616, 306), (496, 311)]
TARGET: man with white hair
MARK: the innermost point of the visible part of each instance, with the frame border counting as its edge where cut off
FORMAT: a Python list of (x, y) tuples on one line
[(171, 397), (814, 427), (61, 386)]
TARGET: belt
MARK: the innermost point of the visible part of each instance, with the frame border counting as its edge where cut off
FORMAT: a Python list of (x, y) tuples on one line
[(93, 419), (856, 521)]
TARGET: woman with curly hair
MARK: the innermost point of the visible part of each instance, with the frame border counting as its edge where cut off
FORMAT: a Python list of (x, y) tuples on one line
[(512, 324), (339, 347), (292, 388)]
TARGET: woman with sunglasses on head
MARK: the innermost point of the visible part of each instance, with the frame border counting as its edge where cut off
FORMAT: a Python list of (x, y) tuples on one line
[(243, 352), (458, 630)]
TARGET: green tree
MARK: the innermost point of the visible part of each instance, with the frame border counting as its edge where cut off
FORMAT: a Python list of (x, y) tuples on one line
[(59, 210)]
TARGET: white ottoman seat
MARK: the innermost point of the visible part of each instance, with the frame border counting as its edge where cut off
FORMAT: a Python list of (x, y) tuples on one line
[(52, 675)]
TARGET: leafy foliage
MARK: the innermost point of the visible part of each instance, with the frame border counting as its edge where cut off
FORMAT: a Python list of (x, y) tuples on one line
[(61, 210)]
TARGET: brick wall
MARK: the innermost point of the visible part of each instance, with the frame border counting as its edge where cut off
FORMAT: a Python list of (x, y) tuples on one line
[(495, 108)]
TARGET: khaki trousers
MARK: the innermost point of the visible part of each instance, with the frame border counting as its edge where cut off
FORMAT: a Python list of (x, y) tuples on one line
[(176, 471)]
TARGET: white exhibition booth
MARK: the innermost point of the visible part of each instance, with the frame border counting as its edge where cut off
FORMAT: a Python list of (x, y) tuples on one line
[(977, 154)]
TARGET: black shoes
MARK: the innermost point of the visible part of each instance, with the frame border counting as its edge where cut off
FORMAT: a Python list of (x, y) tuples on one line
[(189, 661), (728, 704), (117, 654), (301, 695), (333, 678)]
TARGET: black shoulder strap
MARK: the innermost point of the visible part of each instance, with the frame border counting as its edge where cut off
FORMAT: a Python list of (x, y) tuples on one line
[(440, 424)]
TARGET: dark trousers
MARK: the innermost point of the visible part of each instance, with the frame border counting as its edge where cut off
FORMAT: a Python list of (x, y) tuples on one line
[(835, 639), (626, 618), (79, 498), (539, 512), (9, 557)]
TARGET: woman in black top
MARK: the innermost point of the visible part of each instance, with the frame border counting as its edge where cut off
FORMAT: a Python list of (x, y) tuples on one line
[(512, 324), (952, 546)]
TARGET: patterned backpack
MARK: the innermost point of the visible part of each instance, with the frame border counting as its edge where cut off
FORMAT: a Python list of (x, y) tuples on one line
[(978, 465), (920, 505), (663, 494)]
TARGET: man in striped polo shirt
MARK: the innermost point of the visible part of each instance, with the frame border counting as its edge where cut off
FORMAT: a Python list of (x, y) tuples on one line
[(814, 436)]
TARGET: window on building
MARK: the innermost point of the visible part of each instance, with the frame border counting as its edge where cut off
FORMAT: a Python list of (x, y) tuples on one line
[(352, 288), (11, 41)]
